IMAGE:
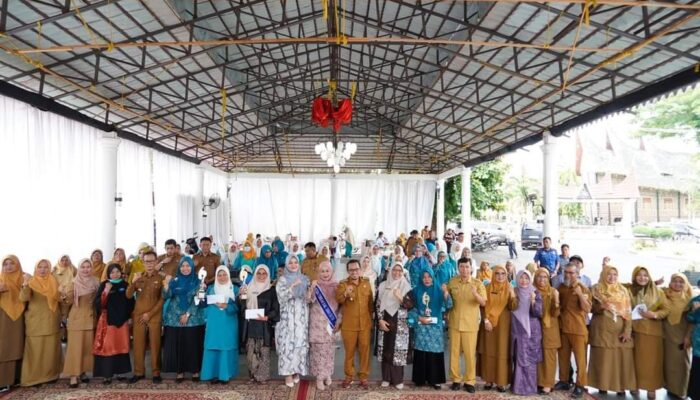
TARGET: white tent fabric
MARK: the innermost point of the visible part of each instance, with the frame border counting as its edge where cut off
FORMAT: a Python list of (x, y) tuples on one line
[(134, 183), (217, 222), (49, 170), (302, 206), (174, 190)]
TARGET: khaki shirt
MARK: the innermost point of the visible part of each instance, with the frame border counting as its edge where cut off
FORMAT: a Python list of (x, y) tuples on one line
[(169, 268), (309, 266), (465, 315), (149, 295), (356, 308), (209, 262), (573, 318)]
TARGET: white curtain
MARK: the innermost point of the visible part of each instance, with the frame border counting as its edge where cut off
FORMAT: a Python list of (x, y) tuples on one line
[(278, 206), (217, 223), (174, 191), (302, 206), (368, 206), (134, 183), (49, 171)]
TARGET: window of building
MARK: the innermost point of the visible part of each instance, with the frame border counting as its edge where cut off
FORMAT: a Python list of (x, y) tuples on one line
[(646, 202), (668, 203)]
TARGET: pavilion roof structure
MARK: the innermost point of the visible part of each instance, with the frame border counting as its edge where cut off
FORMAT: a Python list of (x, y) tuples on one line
[(435, 84)]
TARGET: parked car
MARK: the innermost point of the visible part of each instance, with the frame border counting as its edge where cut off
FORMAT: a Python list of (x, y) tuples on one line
[(494, 231), (531, 235)]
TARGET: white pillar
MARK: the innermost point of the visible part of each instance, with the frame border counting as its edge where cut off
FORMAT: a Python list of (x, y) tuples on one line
[(467, 205), (440, 223), (109, 143), (627, 219), (199, 202), (334, 194), (551, 188)]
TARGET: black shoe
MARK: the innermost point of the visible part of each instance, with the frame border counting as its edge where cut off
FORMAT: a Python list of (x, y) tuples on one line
[(578, 392), (179, 380), (73, 385), (604, 392), (107, 381), (121, 378), (195, 379), (437, 386), (622, 394), (214, 381), (455, 386), (469, 388), (488, 386), (157, 379), (500, 389), (223, 382), (84, 379), (561, 385), (136, 378)]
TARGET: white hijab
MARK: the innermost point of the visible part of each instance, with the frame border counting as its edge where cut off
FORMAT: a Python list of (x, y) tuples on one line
[(256, 287), (389, 302), (225, 289)]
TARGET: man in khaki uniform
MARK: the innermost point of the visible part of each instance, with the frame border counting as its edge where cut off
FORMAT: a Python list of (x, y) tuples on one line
[(148, 309), (463, 324), (354, 295), (575, 304), (312, 261), (168, 262), (207, 260)]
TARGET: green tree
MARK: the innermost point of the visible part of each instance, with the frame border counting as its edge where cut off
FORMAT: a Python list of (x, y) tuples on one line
[(572, 210), (672, 116), (487, 190)]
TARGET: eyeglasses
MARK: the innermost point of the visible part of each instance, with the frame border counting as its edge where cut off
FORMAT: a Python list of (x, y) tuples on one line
[(353, 269)]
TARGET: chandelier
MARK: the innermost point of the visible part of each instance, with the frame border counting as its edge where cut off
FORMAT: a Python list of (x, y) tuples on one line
[(336, 157)]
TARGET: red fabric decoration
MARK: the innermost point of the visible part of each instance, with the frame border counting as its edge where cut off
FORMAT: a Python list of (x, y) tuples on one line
[(322, 113)]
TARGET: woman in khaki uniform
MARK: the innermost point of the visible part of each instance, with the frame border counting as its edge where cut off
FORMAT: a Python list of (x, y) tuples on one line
[(42, 345), (495, 334), (11, 321), (64, 271), (551, 338), (677, 336), (648, 332), (611, 364), (81, 322)]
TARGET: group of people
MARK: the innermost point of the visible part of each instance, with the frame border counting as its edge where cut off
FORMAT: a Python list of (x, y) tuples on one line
[(514, 329)]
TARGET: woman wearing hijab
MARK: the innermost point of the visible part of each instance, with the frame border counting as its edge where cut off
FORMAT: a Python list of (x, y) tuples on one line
[(393, 340), (455, 252), (258, 333), (246, 257), (42, 357), (494, 341), (220, 361), (611, 364), (648, 332), (443, 269), (484, 273), (676, 336), (231, 256), (429, 302), (418, 263), (551, 337), (278, 251), (64, 271), (98, 265), (113, 308), (526, 335), (119, 257), (183, 323), (11, 320), (297, 251), (292, 330), (269, 260), (398, 256), (321, 334), (367, 272), (81, 323)]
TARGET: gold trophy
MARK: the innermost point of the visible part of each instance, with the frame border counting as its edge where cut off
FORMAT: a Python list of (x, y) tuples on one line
[(201, 293), (426, 302)]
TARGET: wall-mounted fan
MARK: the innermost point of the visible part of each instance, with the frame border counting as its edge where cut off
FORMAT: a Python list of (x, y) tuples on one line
[(211, 203)]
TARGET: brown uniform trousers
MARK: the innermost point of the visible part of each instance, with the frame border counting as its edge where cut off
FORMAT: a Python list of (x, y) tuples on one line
[(149, 299), (574, 333), (356, 326)]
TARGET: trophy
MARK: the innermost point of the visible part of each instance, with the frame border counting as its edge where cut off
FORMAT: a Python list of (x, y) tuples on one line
[(201, 294), (242, 276), (426, 302)]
